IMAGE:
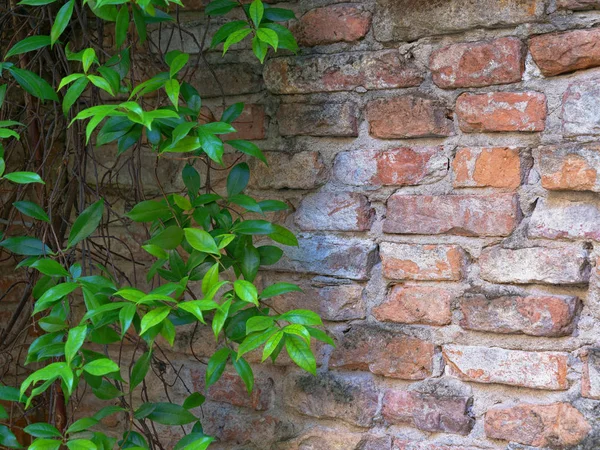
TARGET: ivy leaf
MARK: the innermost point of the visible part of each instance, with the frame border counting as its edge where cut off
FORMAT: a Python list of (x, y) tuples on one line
[(201, 240), (32, 210), (235, 37), (86, 223), (122, 25), (302, 317), (24, 177), (258, 227), (255, 340), (45, 444), (269, 36), (100, 367), (193, 400), (299, 352), (26, 246), (248, 148), (154, 317), (42, 430), (139, 371), (50, 267), (28, 44), (216, 366), (169, 238), (279, 289), (148, 211), (34, 84), (73, 93), (75, 340), (237, 179), (258, 323), (8, 439), (256, 12), (219, 7), (283, 236), (272, 344), (172, 90), (246, 291), (227, 29), (61, 21), (244, 370), (171, 414)]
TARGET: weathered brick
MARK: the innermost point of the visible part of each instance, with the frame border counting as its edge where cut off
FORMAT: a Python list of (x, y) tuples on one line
[(421, 262), (470, 215), (231, 389), (557, 425), (402, 20), (559, 265), (557, 53), (498, 167), (501, 111), (533, 315), (416, 304), (590, 380), (334, 396), (328, 119), (329, 255), (384, 353), (335, 302), (476, 64), (396, 167), (304, 170), (578, 4), (401, 444), (346, 211), (385, 69), (568, 220), (249, 125), (431, 413), (235, 79), (537, 370), (581, 109), (330, 24), (407, 117), (570, 167), (323, 438)]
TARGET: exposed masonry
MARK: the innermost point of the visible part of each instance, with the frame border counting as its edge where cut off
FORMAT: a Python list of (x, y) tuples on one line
[(441, 161)]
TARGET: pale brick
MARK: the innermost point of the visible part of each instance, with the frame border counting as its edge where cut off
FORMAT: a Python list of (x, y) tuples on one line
[(333, 211), (234, 79), (562, 265), (581, 109), (476, 64), (396, 167), (570, 167), (304, 170), (330, 24), (322, 438), (590, 380), (421, 262), (565, 220), (536, 370), (231, 389), (578, 4), (328, 119), (416, 304), (498, 167)]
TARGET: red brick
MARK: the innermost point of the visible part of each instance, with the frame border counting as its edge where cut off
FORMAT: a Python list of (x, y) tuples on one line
[(590, 379), (468, 215), (476, 64), (328, 119), (15, 280), (351, 399), (396, 167), (555, 219), (304, 170), (416, 304), (384, 353), (385, 69), (536, 370), (431, 413), (578, 4), (557, 425), (231, 389), (250, 125), (501, 111), (332, 211), (498, 167), (532, 315), (421, 262), (557, 53), (408, 117), (571, 167), (330, 24), (560, 265)]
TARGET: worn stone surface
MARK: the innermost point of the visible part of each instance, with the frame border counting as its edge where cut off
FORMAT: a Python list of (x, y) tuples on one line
[(416, 304), (304, 170), (333, 23), (537, 370), (385, 69), (421, 262), (470, 215), (498, 167), (329, 119), (403, 166), (568, 220), (501, 111), (384, 353), (578, 4), (580, 109), (234, 79), (532, 315), (322, 438), (557, 53), (401, 20), (231, 389), (408, 117), (557, 425), (590, 380), (569, 167), (476, 64), (335, 211), (561, 265)]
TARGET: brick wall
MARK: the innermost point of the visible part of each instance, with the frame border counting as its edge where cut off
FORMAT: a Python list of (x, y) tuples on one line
[(441, 159)]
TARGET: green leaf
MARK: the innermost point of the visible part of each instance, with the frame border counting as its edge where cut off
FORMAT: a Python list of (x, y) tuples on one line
[(286, 38), (27, 246), (299, 352), (248, 148), (211, 278), (61, 21), (75, 340), (302, 317), (256, 12), (9, 394), (139, 371), (223, 32), (201, 240), (279, 289), (298, 330), (88, 58), (50, 267), (53, 295), (259, 48), (279, 14), (258, 227), (218, 128), (320, 335), (23, 177), (169, 238), (28, 44), (101, 83), (246, 291), (149, 210), (35, 2), (100, 367), (73, 94), (235, 37), (232, 112), (258, 323), (255, 340), (81, 425), (45, 444), (219, 7), (171, 414), (216, 366), (191, 177), (238, 179), (8, 439), (86, 223), (269, 254), (269, 36), (42, 430), (140, 23), (81, 444), (154, 317), (32, 83), (212, 146), (126, 315), (194, 400), (32, 210), (122, 25), (283, 236), (178, 63), (245, 372), (272, 344), (172, 90)]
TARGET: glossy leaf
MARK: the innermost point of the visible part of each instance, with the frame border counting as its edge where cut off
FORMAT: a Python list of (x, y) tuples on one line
[(86, 223), (32, 210)]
